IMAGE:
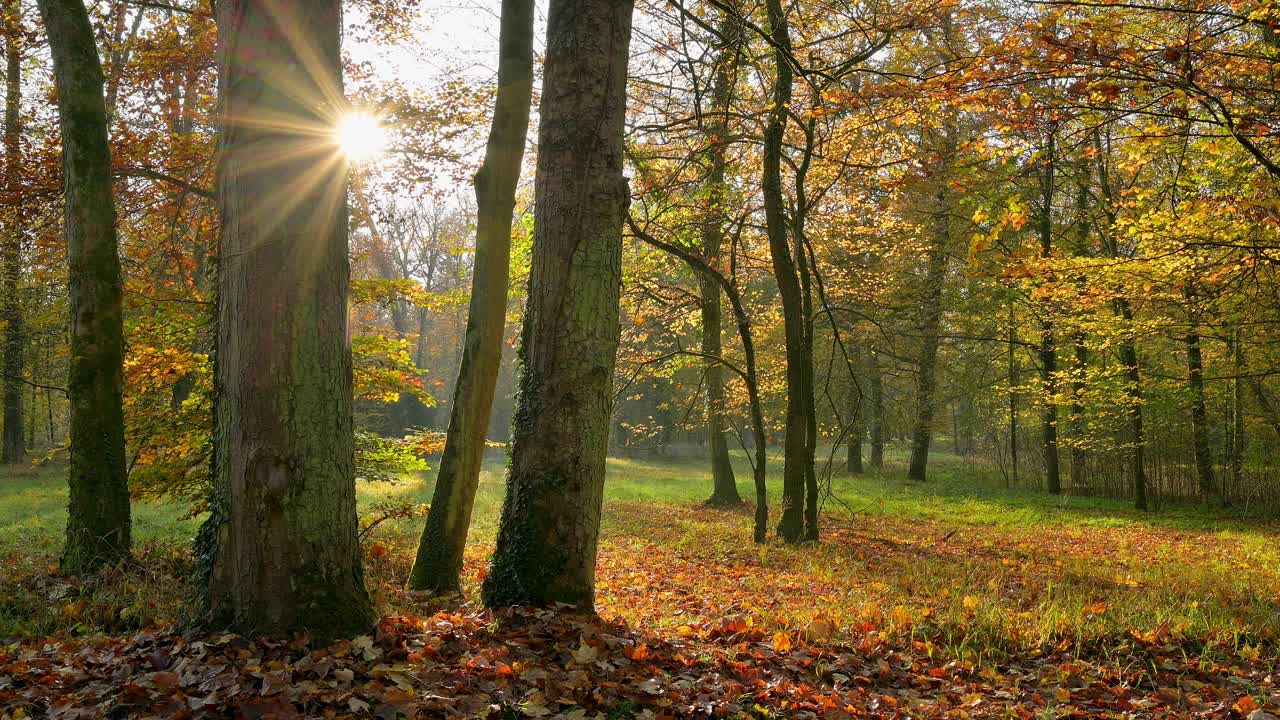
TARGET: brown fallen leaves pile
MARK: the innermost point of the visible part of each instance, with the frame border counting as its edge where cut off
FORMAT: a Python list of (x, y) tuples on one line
[(554, 664)]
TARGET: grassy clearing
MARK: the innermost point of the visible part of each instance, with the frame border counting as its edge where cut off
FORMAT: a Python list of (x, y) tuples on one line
[(957, 564)]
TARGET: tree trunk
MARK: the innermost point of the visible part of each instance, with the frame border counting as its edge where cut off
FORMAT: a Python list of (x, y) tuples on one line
[(1048, 336), (1128, 342), (1237, 410), (1078, 454), (1200, 417), (13, 448), (857, 411), (440, 551), (724, 484), (930, 324), (794, 473), (98, 526), (550, 524), (1014, 381), (281, 535), (876, 410)]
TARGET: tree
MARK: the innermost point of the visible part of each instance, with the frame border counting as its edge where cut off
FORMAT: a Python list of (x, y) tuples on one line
[(724, 485), (281, 542), (440, 551), (550, 524), (13, 447), (98, 524)]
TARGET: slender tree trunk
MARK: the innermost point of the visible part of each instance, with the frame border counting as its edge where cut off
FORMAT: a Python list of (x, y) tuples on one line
[(876, 410), (724, 484), (281, 535), (930, 323), (550, 524), (1128, 341), (857, 411), (13, 447), (794, 474), (1237, 410), (440, 552), (1200, 417), (1078, 453), (1014, 381), (98, 512), (1048, 334)]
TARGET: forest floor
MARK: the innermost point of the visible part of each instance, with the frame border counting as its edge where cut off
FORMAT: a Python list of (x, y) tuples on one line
[(949, 599)]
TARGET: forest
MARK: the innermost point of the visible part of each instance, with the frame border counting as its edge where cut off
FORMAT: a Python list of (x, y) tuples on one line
[(640, 359)]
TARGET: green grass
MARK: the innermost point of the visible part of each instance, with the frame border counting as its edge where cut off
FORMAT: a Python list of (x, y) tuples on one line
[(958, 561)]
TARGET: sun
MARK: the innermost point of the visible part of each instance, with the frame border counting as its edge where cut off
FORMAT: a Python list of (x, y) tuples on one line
[(361, 136)]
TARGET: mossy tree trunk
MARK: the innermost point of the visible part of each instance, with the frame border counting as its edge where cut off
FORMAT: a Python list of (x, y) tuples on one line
[(548, 534), (876, 411), (929, 325), (284, 556), (1048, 332), (98, 526), (13, 447), (1205, 475), (439, 558)]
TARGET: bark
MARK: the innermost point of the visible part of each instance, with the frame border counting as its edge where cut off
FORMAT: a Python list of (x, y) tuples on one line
[(796, 463), (1237, 410), (724, 484), (13, 448), (1200, 417), (1048, 333), (857, 428), (1014, 380), (281, 537), (876, 410), (1078, 370), (1128, 343), (98, 525), (439, 558), (930, 323), (549, 530), (749, 376)]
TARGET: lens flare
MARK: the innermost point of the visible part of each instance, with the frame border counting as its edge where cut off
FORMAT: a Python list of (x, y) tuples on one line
[(361, 137)]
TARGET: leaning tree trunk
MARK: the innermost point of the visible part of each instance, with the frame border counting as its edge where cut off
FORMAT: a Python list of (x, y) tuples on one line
[(439, 559), (13, 448), (98, 511), (281, 536), (724, 484), (550, 525)]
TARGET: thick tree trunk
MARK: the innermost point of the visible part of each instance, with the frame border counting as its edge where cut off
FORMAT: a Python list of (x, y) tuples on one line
[(439, 559), (13, 447), (285, 556), (98, 522), (550, 524)]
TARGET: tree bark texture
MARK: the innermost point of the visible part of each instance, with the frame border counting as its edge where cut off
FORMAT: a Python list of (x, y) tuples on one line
[(549, 530), (13, 447), (285, 555), (98, 522)]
